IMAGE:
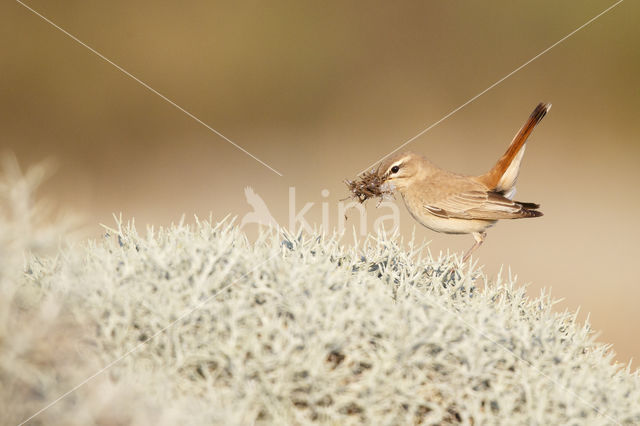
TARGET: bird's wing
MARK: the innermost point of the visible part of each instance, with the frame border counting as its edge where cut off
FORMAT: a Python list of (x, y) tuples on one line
[(485, 205)]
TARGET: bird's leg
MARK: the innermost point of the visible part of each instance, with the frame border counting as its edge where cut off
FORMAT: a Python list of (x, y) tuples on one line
[(479, 237)]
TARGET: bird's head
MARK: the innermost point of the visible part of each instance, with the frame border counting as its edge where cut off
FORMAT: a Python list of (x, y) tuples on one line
[(401, 170)]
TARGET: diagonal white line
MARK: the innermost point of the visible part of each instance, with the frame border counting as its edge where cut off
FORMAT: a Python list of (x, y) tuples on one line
[(198, 306), (128, 74), (135, 348), (493, 85)]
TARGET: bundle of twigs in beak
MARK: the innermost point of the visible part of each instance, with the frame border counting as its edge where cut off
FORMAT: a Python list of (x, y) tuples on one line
[(369, 185)]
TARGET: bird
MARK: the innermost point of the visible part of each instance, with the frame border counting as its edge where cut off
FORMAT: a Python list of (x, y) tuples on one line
[(454, 203)]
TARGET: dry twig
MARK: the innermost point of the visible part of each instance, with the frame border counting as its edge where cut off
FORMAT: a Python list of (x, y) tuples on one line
[(369, 185)]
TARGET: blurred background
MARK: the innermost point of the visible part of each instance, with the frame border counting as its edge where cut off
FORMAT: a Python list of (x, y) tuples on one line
[(319, 91)]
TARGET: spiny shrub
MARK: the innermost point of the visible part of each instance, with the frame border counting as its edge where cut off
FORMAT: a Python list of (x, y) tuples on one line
[(299, 329), (193, 324), (45, 351)]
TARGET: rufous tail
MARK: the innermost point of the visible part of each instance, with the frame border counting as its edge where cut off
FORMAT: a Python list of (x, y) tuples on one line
[(502, 177)]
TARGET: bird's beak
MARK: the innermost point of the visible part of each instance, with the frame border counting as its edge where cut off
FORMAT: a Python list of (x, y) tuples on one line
[(382, 175), (385, 183)]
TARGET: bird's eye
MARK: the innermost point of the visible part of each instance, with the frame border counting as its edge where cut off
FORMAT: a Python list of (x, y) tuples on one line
[(395, 169)]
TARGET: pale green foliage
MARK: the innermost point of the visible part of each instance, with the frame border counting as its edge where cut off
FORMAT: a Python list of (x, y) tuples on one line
[(297, 330)]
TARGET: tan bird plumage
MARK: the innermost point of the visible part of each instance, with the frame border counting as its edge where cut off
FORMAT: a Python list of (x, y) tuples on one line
[(459, 204)]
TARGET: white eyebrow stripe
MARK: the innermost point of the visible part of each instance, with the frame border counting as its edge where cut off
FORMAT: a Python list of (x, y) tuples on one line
[(397, 163)]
